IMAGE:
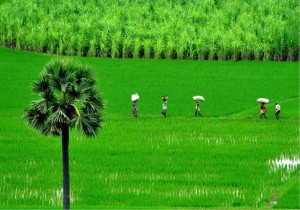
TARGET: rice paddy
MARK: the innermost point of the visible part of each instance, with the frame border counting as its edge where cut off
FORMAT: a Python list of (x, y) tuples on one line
[(226, 159)]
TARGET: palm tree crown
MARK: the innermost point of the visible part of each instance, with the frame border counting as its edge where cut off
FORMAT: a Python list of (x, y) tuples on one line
[(68, 98)]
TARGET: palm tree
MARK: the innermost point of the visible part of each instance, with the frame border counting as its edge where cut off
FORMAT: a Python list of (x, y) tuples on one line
[(68, 99)]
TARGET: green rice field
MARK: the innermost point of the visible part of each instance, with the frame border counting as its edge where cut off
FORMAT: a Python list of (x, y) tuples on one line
[(229, 158)]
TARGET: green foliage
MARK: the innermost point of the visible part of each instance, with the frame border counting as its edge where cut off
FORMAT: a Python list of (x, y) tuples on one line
[(69, 97), (218, 30), (222, 160)]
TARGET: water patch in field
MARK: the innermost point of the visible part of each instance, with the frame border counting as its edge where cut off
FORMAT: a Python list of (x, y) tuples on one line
[(283, 162), (290, 164)]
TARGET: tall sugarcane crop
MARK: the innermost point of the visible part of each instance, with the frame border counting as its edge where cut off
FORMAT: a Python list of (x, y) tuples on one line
[(215, 30)]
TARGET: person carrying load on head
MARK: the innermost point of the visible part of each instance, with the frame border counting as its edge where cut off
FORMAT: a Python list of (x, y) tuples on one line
[(277, 110), (134, 98), (198, 99), (263, 111), (164, 106), (135, 109), (197, 111)]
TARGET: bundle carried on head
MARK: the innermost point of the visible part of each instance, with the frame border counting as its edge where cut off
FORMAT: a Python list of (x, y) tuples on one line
[(198, 98), (263, 100), (135, 97)]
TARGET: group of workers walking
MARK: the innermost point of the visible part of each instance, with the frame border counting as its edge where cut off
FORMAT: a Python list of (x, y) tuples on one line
[(263, 110), (164, 107), (135, 99)]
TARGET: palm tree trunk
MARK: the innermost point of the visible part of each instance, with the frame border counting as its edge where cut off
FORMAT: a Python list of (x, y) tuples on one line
[(65, 159)]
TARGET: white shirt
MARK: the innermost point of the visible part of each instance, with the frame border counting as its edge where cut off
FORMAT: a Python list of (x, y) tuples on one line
[(277, 107), (164, 105)]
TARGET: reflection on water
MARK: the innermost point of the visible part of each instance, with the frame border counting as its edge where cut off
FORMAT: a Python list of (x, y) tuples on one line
[(290, 164)]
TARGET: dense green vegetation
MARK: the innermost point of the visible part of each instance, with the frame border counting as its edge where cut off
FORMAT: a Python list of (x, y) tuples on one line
[(225, 159), (210, 29)]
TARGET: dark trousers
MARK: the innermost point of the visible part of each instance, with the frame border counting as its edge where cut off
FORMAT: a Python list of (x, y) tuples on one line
[(197, 113), (263, 114), (164, 112), (277, 114), (135, 112)]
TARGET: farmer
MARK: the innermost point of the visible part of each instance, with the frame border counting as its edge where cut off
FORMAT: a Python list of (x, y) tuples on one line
[(277, 110), (135, 109), (197, 111), (263, 111), (164, 106)]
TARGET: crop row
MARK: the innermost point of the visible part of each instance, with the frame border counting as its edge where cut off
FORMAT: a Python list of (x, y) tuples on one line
[(216, 30)]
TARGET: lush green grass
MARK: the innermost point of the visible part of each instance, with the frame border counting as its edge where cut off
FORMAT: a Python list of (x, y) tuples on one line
[(289, 193), (221, 160)]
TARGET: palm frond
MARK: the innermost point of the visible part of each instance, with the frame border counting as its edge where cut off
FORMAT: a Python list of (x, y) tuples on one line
[(61, 73), (40, 105), (84, 88), (83, 73), (74, 107), (87, 124), (41, 85), (51, 129), (59, 117), (49, 96), (93, 104), (55, 83), (67, 71), (72, 95), (36, 119)]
